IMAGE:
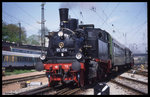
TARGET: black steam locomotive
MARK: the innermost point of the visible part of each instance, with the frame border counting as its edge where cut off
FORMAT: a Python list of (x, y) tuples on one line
[(82, 53)]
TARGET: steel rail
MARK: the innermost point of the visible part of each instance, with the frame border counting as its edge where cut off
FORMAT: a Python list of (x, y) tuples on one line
[(71, 91), (61, 91), (142, 82), (138, 72), (35, 90), (9, 81), (129, 87)]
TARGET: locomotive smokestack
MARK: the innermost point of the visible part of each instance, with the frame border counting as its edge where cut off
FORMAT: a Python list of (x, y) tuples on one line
[(63, 12)]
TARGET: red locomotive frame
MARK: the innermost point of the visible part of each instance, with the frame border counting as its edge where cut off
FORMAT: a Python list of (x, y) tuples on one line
[(67, 68)]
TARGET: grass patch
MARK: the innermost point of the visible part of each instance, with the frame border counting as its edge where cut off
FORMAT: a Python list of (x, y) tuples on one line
[(9, 72)]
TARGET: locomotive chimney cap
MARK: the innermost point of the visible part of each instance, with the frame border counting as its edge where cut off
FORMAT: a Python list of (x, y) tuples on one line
[(63, 12)]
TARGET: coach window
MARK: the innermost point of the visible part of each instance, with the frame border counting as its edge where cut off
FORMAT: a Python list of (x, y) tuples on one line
[(25, 59), (22, 59), (18, 59), (15, 58), (5, 58), (10, 58), (29, 59), (2, 58)]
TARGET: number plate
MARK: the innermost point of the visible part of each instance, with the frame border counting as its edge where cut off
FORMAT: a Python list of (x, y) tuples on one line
[(61, 49)]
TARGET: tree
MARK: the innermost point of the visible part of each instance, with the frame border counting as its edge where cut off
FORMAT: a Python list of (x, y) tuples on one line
[(10, 32), (33, 40), (46, 31)]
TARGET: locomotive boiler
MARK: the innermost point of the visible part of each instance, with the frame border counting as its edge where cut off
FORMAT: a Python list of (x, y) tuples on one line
[(81, 53)]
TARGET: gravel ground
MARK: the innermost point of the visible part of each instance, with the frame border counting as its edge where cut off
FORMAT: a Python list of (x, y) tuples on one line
[(89, 91), (118, 90), (22, 75), (133, 84), (114, 89), (135, 76), (15, 87)]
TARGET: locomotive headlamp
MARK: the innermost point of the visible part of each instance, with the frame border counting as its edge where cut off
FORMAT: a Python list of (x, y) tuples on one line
[(78, 56), (60, 33), (61, 45), (42, 57)]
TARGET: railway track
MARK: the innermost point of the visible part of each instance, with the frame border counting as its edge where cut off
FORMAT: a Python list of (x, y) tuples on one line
[(60, 90), (138, 81), (67, 91), (35, 91), (139, 72), (44, 89), (131, 84), (9, 81)]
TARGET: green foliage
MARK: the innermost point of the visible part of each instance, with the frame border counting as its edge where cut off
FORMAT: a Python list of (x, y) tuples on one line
[(33, 40), (8, 72), (10, 32), (46, 31)]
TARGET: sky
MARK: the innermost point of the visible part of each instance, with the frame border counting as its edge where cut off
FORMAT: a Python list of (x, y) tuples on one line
[(124, 21)]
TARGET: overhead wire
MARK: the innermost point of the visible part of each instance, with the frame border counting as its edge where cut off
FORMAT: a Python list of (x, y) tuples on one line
[(133, 22), (25, 12), (100, 17), (94, 10), (135, 18), (10, 16), (109, 17), (110, 14), (20, 20), (72, 9), (138, 28), (5, 18), (137, 31)]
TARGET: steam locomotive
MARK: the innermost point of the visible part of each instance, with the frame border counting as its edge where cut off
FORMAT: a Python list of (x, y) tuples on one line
[(81, 53)]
